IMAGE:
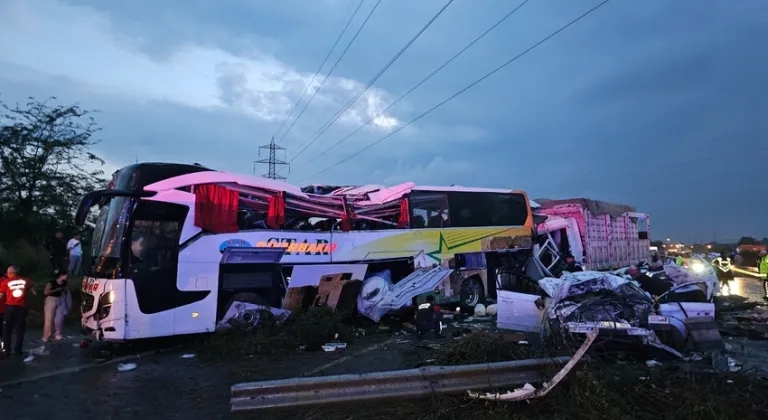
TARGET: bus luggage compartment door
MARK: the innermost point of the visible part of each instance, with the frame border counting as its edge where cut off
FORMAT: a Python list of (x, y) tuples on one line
[(251, 270)]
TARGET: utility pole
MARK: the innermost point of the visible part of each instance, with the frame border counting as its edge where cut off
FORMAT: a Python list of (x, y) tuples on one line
[(271, 161)]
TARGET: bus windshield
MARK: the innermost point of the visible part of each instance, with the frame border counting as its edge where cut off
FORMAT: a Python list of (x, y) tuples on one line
[(108, 238)]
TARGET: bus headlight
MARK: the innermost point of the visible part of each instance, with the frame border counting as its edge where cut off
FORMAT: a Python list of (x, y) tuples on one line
[(108, 298)]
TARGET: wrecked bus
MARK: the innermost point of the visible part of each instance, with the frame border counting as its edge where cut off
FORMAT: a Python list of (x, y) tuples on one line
[(174, 245)]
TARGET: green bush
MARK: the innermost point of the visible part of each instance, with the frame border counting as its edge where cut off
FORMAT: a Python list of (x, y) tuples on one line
[(319, 325), (33, 261)]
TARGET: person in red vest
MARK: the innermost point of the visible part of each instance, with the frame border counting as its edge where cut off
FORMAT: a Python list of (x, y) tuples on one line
[(2, 312), (14, 290)]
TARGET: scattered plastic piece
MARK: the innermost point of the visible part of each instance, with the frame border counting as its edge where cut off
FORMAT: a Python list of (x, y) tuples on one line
[(29, 358), (652, 363), (39, 351), (125, 367), (334, 346), (187, 356)]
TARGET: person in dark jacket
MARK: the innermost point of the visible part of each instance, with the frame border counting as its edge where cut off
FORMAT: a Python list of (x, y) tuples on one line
[(429, 317), (722, 265), (58, 252)]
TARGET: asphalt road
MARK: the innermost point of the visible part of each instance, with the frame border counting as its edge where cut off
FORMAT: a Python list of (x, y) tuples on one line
[(167, 385)]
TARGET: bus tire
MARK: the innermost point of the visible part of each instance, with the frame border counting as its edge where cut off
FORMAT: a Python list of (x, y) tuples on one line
[(471, 293)]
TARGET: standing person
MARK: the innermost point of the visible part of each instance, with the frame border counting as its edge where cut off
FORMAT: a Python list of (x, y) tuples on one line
[(75, 249), (14, 290), (58, 251), (722, 266), (763, 267), (55, 307), (2, 310), (679, 261)]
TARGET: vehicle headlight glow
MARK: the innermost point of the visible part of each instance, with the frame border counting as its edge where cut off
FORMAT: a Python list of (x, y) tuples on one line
[(697, 267)]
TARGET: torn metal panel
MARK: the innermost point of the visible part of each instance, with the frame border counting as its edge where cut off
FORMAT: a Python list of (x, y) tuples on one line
[(528, 391), (334, 285), (643, 336), (379, 296), (519, 312), (697, 272)]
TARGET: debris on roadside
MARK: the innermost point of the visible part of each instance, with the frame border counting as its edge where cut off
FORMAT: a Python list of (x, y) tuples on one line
[(751, 323), (529, 392), (125, 367)]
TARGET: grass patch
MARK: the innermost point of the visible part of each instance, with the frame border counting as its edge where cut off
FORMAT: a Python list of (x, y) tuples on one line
[(308, 330)]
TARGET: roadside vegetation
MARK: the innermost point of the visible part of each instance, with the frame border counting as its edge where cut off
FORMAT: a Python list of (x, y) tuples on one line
[(601, 388)]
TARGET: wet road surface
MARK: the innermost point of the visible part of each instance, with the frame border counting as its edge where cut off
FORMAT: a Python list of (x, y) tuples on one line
[(749, 287), (167, 386)]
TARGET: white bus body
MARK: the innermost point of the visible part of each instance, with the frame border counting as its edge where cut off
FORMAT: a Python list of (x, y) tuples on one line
[(162, 264)]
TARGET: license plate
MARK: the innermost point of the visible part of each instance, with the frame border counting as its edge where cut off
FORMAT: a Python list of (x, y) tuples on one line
[(611, 324), (657, 319), (581, 329)]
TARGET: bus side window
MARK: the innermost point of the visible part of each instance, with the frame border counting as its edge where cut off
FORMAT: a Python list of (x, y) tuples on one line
[(430, 209), (472, 209)]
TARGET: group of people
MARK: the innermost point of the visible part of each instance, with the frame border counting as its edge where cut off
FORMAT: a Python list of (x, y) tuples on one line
[(15, 289), (723, 267), (65, 257)]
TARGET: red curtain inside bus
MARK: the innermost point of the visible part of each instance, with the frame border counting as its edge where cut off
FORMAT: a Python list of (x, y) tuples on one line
[(405, 214), (276, 213), (216, 208)]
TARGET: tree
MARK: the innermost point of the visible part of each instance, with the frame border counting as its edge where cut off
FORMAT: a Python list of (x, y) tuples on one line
[(748, 240), (46, 165)]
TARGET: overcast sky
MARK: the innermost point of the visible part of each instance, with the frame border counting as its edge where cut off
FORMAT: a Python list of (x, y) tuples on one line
[(659, 104)]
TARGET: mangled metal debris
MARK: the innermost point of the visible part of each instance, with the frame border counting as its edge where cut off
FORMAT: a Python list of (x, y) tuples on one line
[(243, 314), (528, 391)]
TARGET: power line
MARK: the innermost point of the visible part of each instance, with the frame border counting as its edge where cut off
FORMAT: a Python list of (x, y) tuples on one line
[(338, 115), (471, 85), (333, 47), (332, 69), (416, 86)]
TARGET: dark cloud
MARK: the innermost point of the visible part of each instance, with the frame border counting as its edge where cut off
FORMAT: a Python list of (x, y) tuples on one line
[(655, 103)]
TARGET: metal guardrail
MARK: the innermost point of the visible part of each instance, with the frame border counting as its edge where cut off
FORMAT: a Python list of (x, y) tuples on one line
[(428, 380)]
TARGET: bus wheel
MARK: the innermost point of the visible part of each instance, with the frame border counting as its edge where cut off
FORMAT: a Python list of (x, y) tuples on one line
[(471, 293)]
